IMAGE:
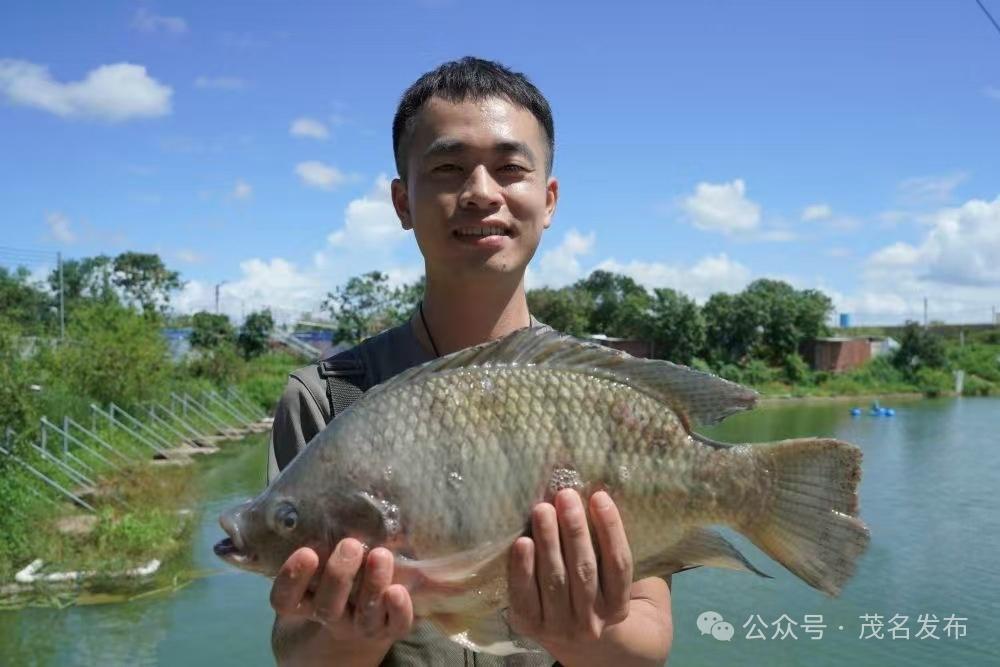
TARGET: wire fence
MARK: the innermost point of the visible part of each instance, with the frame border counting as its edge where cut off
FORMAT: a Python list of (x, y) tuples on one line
[(65, 461)]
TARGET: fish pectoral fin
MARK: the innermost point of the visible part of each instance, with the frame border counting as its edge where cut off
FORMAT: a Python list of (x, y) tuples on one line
[(699, 546), (490, 633), (461, 567)]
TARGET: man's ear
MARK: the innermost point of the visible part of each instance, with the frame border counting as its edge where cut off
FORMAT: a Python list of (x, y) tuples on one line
[(401, 202), (551, 197)]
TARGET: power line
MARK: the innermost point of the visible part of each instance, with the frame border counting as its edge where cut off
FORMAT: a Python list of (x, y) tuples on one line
[(28, 251), (988, 15)]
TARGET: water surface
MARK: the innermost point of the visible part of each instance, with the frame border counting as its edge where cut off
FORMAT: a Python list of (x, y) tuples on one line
[(929, 494)]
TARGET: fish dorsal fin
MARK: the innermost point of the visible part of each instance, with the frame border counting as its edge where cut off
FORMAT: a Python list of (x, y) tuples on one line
[(702, 397)]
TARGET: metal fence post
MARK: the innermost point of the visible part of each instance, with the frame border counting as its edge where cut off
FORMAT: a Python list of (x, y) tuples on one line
[(207, 416), (112, 408), (96, 438), (45, 478), (213, 396), (118, 424), (181, 421), (97, 454)]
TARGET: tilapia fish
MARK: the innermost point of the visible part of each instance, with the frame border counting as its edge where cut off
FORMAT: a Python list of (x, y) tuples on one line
[(443, 464)]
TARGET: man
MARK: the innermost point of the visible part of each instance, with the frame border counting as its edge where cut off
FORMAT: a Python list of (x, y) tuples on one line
[(473, 144)]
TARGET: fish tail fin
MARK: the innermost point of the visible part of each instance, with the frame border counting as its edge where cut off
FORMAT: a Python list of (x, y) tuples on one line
[(812, 526)]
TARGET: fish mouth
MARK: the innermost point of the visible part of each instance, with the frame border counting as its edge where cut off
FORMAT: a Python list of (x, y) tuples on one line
[(232, 549), (227, 550)]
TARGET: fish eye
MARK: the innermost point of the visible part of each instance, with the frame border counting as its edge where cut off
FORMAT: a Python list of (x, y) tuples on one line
[(286, 517)]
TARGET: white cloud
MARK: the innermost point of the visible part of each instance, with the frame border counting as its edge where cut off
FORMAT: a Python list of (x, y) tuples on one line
[(315, 174), (816, 212), (962, 247), (561, 265), (929, 190), (954, 265), (220, 83), (711, 274), (276, 283), (117, 92), (898, 254), (242, 190), (189, 256), (60, 228), (310, 128), (145, 21), (370, 221), (722, 207)]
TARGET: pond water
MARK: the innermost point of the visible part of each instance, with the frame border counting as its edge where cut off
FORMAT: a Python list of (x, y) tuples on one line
[(929, 494)]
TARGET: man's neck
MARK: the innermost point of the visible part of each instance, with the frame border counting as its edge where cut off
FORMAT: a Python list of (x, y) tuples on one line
[(460, 314)]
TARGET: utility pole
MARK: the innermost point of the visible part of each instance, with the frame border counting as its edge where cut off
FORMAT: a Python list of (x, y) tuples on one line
[(62, 300), (217, 286), (925, 312)]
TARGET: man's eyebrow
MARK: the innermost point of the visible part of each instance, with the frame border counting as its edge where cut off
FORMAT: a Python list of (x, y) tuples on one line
[(449, 146)]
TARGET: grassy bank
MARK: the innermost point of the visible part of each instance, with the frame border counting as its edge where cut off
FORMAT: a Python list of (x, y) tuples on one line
[(978, 355), (141, 509)]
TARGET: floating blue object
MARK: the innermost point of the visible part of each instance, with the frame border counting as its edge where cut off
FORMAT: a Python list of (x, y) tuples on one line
[(889, 412), (855, 412)]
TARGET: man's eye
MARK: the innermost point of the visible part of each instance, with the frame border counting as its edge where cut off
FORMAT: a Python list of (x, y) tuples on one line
[(447, 168), (512, 168)]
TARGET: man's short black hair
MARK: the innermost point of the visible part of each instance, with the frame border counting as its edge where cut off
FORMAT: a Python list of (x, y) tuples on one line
[(461, 80)]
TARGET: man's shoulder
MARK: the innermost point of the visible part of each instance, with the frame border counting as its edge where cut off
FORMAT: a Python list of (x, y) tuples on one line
[(347, 365)]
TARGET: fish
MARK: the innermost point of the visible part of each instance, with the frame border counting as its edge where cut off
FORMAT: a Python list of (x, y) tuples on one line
[(443, 463)]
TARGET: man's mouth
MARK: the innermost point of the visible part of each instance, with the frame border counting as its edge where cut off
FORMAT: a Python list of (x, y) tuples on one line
[(477, 233), (482, 231)]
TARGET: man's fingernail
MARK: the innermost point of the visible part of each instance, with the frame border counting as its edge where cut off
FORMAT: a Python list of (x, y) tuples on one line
[(348, 551), (602, 500)]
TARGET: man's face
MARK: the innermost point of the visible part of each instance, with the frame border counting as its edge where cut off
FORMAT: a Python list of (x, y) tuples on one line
[(477, 196)]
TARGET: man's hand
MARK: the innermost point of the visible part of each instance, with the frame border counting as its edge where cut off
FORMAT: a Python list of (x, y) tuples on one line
[(356, 631), (581, 609)]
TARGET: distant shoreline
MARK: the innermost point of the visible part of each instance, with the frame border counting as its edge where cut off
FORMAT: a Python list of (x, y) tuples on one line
[(859, 399)]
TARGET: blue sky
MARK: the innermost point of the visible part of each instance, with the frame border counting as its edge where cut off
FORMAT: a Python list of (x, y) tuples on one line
[(845, 145)]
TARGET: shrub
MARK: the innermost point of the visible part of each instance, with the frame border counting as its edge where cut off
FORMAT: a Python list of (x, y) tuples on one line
[(112, 354), (934, 382), (18, 403), (221, 365), (795, 369), (977, 386)]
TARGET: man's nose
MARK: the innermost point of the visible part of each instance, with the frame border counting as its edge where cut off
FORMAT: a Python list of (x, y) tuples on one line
[(480, 190)]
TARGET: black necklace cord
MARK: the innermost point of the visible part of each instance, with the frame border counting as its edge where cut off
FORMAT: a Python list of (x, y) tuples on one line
[(427, 330)]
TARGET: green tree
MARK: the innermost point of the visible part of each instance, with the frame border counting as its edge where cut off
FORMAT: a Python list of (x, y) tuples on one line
[(18, 409), (774, 307), (25, 303), (919, 348), (253, 337), (732, 328), (620, 305), (145, 281), (677, 326), (366, 305), (567, 309), (768, 320), (113, 354), (211, 330), (84, 279), (408, 296)]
